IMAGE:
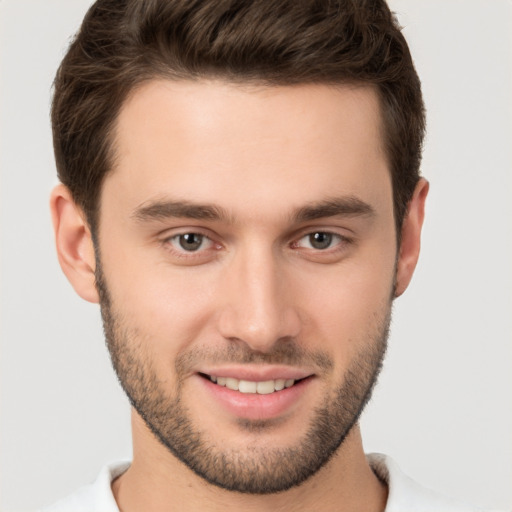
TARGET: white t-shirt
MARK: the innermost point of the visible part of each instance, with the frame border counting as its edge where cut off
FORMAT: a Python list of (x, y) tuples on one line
[(404, 495)]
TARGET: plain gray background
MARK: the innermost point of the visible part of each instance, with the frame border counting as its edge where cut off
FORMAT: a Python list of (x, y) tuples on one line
[(443, 407)]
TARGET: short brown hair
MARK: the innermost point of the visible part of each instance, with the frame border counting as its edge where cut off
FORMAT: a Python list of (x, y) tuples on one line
[(123, 43)]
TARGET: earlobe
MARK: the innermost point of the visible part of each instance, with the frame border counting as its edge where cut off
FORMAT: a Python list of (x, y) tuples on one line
[(75, 248), (411, 237)]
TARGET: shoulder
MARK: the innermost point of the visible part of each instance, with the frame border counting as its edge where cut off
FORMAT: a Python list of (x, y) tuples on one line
[(405, 495), (96, 497)]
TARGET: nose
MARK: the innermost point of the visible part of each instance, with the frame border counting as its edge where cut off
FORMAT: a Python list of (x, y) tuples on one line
[(258, 307)]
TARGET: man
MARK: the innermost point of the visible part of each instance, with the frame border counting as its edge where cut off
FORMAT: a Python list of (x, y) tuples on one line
[(241, 194)]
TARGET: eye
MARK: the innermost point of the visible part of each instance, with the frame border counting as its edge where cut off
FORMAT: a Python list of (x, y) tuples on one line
[(319, 240), (190, 242)]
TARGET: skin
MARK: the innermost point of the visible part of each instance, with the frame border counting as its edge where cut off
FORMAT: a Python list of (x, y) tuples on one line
[(261, 155)]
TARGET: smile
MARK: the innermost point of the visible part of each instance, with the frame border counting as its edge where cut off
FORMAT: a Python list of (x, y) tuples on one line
[(246, 386), (256, 393)]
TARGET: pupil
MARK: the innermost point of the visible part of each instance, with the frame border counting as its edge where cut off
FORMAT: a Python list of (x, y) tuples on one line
[(191, 241), (320, 240)]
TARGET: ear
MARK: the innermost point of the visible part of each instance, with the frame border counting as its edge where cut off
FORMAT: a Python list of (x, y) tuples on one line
[(411, 236), (73, 239)]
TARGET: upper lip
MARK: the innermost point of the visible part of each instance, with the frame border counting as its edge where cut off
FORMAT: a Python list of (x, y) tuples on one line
[(257, 373)]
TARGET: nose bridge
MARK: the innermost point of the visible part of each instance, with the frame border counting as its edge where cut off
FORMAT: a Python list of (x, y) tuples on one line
[(258, 309)]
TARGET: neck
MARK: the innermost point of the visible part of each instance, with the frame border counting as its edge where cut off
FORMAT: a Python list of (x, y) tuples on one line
[(158, 482)]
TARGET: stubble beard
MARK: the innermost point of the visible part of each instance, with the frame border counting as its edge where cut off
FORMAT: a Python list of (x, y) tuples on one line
[(258, 470)]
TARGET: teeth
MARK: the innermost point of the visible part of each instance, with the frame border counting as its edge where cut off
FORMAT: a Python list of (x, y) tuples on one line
[(232, 383), (279, 384), (266, 387), (246, 386)]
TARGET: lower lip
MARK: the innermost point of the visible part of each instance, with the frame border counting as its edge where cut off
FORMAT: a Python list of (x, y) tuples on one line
[(253, 406)]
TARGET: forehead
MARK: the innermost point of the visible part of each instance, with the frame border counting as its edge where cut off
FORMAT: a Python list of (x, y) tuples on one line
[(248, 147)]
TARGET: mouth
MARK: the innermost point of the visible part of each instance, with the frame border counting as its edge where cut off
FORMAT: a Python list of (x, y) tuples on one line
[(252, 393), (265, 387)]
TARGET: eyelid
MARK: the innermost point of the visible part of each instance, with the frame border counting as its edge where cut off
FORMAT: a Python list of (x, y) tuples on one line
[(335, 236), (166, 237), (169, 233), (341, 232), (174, 240)]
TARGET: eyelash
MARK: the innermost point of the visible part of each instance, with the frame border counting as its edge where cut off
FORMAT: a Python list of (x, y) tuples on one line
[(337, 243), (182, 252), (332, 237)]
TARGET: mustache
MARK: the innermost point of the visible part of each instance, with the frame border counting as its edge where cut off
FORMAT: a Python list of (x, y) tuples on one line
[(285, 352)]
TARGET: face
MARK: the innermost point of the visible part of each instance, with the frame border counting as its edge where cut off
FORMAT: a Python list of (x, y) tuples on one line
[(248, 252)]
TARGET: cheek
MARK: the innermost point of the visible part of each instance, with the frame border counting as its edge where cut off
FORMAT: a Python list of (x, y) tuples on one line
[(171, 307), (347, 308)]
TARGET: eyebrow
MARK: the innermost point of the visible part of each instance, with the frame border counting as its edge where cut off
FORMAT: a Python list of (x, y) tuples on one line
[(349, 206), (161, 210)]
